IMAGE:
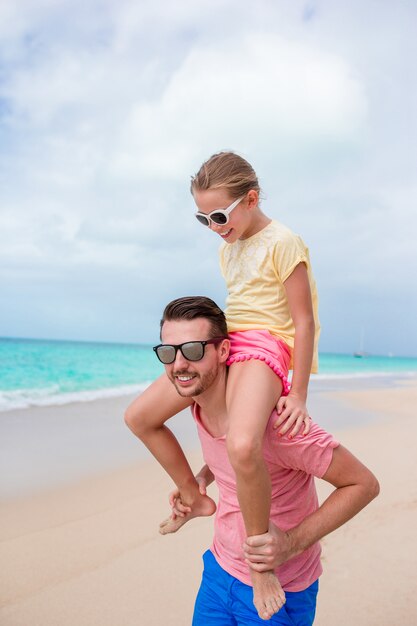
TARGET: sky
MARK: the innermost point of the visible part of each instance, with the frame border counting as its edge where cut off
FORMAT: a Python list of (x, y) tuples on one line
[(107, 107)]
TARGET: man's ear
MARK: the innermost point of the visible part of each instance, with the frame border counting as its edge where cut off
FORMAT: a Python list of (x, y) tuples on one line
[(224, 350)]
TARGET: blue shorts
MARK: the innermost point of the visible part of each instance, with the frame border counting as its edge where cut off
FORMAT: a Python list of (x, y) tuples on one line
[(223, 600)]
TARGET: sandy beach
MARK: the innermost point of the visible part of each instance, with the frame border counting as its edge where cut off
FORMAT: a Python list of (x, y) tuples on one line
[(82, 501)]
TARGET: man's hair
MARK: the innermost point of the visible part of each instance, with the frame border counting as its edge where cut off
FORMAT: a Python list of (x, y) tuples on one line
[(193, 307)]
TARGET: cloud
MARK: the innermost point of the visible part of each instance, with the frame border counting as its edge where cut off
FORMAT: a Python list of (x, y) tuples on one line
[(257, 92), (106, 109), (97, 145)]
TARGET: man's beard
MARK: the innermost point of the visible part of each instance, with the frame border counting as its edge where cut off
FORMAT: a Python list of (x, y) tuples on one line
[(202, 382)]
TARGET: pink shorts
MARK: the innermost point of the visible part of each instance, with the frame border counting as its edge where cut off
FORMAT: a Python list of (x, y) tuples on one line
[(260, 344)]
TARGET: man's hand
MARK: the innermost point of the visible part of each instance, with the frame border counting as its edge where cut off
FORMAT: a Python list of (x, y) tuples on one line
[(355, 486), (268, 551), (179, 509), (292, 411)]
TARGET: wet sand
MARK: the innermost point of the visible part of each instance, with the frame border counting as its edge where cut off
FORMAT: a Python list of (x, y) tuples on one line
[(79, 543)]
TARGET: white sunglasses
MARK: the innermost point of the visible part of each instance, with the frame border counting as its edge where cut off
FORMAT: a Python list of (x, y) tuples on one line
[(218, 216)]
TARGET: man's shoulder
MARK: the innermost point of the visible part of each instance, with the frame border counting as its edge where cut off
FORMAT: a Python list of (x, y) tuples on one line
[(308, 453), (316, 434)]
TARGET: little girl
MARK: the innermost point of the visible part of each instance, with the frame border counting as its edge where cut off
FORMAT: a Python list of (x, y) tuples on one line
[(271, 312)]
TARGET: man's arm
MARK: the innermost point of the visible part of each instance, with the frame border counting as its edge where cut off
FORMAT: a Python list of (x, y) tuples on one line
[(205, 475), (146, 418), (204, 478), (355, 486)]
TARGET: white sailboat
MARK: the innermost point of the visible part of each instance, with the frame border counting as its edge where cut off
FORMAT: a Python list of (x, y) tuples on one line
[(361, 352)]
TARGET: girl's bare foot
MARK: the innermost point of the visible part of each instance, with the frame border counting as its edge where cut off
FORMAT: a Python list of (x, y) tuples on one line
[(202, 507), (268, 595)]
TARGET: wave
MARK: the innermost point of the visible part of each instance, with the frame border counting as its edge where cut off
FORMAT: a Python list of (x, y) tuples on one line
[(370, 374), (51, 396)]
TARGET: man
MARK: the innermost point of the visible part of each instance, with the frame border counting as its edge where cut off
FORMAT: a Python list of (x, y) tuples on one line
[(194, 350)]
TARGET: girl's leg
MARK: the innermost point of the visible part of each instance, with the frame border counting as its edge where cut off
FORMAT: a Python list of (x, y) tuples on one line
[(146, 418), (253, 390)]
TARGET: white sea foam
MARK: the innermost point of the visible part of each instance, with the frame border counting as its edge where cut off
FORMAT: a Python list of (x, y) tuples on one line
[(360, 375), (50, 396)]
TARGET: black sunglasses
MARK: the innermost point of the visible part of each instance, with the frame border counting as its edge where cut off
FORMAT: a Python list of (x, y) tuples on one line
[(190, 350)]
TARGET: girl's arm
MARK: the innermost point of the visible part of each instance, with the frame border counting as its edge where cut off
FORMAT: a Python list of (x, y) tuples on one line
[(293, 407)]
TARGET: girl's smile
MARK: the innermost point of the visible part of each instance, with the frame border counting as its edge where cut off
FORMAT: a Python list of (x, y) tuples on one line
[(225, 234)]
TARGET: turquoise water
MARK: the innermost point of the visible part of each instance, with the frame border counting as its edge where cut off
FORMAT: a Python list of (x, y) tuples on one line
[(36, 373), (347, 365)]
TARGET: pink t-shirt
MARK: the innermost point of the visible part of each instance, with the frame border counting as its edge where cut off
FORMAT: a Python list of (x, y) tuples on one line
[(292, 464)]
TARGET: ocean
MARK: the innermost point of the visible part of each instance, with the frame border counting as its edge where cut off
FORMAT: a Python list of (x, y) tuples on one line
[(43, 372)]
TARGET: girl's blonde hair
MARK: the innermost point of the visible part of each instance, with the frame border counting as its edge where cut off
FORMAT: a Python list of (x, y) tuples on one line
[(226, 170)]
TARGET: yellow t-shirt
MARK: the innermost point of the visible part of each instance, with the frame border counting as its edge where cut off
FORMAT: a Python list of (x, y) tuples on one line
[(255, 270)]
